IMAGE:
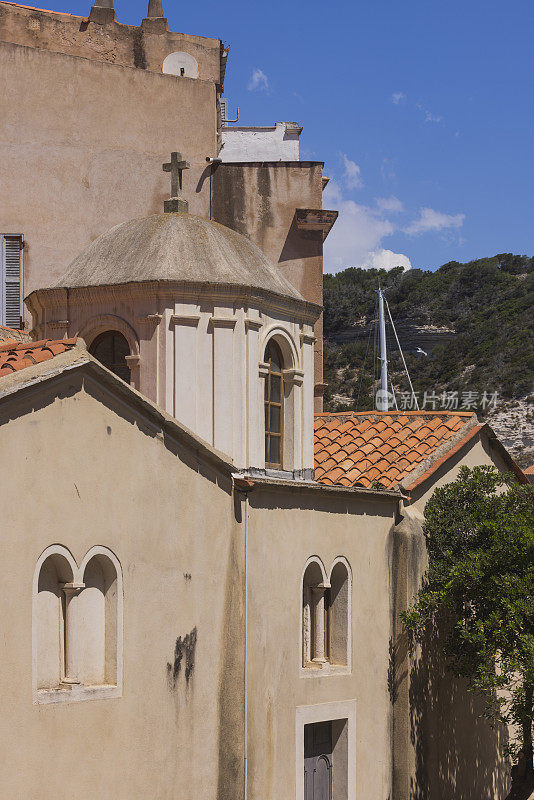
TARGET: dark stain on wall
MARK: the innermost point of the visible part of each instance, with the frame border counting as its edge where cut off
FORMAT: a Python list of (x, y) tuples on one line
[(184, 657), (139, 54)]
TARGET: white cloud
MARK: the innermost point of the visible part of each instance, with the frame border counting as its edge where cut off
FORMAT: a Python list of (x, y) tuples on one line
[(397, 98), (351, 175), (430, 220), (357, 236), (391, 204), (386, 259), (258, 81)]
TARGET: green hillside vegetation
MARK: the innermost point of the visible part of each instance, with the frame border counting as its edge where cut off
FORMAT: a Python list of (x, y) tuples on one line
[(488, 303)]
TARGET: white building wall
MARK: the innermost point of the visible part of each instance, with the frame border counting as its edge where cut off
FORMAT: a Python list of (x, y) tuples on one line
[(243, 144)]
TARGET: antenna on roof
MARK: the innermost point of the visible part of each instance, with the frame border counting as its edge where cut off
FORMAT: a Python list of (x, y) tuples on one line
[(382, 400), (383, 396)]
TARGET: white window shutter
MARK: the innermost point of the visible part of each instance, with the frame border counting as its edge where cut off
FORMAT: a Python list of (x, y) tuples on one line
[(11, 306)]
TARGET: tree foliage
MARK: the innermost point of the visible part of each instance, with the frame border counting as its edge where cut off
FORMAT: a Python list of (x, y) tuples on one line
[(487, 303), (479, 532)]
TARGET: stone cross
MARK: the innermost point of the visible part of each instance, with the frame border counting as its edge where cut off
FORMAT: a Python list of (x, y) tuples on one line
[(176, 167)]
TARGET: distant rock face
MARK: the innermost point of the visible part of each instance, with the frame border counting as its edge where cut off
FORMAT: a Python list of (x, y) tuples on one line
[(410, 336), (513, 422)]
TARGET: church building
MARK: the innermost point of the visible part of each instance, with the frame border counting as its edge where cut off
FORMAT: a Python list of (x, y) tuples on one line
[(203, 571)]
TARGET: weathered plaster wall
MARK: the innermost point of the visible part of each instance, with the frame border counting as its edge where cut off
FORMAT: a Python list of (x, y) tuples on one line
[(284, 531), (82, 145), (259, 200), (169, 518), (442, 746), (112, 42)]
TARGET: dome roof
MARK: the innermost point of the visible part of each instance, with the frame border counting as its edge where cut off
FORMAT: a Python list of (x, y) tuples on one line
[(175, 247)]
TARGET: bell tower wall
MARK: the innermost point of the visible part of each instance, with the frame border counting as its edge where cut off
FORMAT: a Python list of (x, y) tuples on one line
[(278, 204)]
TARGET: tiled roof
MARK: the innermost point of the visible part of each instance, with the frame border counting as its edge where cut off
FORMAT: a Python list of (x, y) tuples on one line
[(13, 334), (529, 470), (18, 355), (378, 446)]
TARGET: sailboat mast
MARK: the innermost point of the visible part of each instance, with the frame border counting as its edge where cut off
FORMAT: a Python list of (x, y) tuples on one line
[(383, 352)]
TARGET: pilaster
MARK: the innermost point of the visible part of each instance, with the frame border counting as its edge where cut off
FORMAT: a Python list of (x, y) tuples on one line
[(223, 381)]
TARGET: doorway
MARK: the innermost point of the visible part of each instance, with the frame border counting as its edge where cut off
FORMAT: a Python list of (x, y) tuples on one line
[(318, 776)]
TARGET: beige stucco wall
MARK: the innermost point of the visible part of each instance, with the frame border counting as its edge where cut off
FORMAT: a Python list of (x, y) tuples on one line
[(83, 473), (442, 745), (166, 514), (82, 145), (284, 531)]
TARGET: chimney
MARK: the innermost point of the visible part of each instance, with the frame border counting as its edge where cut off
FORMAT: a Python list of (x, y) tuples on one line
[(155, 22), (102, 12), (155, 8)]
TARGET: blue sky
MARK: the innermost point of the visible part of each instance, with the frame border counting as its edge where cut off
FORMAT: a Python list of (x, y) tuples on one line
[(423, 113)]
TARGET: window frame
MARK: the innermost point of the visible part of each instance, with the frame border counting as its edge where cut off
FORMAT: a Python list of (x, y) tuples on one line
[(268, 403)]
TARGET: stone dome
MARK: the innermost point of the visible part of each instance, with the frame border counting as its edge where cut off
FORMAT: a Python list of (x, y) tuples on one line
[(175, 247)]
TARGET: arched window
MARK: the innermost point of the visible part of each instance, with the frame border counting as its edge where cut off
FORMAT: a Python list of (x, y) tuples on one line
[(274, 406), (111, 349), (97, 619), (338, 606), (313, 616), (50, 621), (326, 615), (77, 626)]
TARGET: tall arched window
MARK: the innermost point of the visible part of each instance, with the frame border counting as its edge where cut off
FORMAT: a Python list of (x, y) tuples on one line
[(51, 621), (274, 406), (111, 349), (314, 638), (338, 607), (97, 619)]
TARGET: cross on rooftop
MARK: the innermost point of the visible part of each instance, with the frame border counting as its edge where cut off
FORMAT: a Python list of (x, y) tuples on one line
[(176, 166)]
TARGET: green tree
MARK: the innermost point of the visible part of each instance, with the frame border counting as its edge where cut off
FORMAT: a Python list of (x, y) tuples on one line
[(479, 591)]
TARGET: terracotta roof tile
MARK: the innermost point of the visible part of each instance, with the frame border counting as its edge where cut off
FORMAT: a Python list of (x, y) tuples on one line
[(16, 355), (360, 448)]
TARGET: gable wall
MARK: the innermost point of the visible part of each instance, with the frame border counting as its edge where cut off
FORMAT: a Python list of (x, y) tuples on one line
[(83, 472)]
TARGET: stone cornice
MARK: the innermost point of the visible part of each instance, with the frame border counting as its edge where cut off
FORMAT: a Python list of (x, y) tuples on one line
[(253, 324), (194, 293), (223, 322), (185, 319)]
